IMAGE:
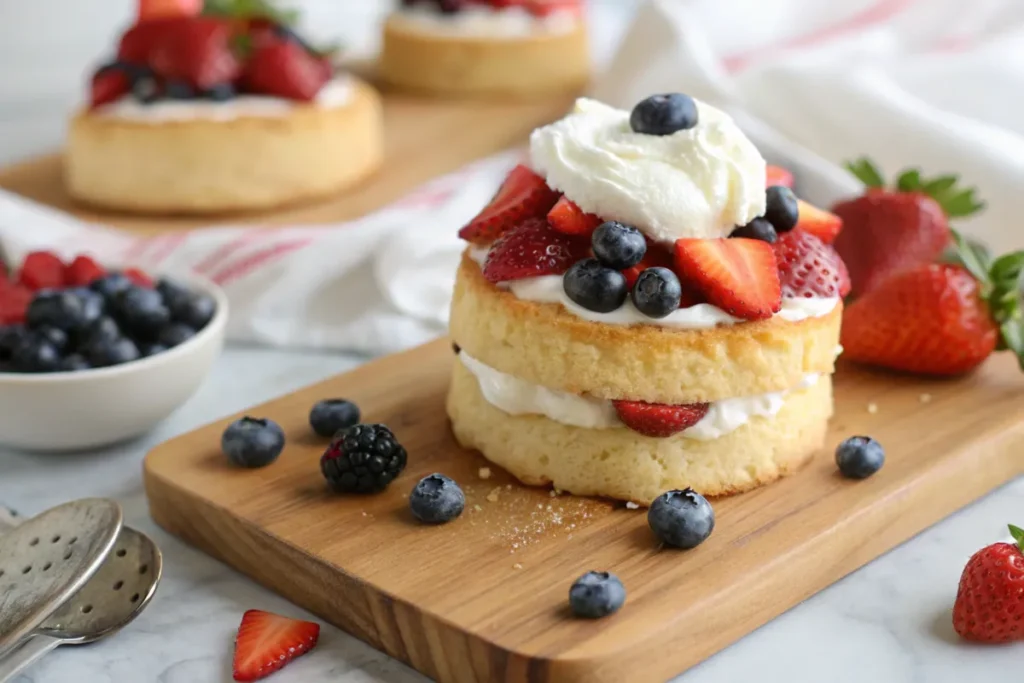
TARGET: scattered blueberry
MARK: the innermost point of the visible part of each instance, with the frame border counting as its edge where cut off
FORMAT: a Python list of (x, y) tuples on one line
[(436, 499), (618, 246), (111, 285), (174, 334), (221, 92), (141, 311), (179, 90), (105, 352), (596, 594), (363, 459), (73, 363), (683, 519), (656, 292), (252, 442), (33, 353), (781, 208), (859, 457), (664, 114), (195, 310), (331, 415), (757, 229), (56, 336), (148, 350), (595, 287), (52, 308)]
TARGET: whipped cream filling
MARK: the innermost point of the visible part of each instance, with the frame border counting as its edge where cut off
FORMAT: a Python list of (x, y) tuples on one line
[(481, 21), (335, 93), (549, 289), (698, 183), (519, 397)]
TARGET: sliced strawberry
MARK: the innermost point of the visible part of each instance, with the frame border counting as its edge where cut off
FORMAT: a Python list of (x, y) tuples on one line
[(139, 277), (659, 420), (819, 222), (41, 270), (138, 41), (543, 8), (162, 9), (196, 51), (779, 176), (522, 195), (656, 255), (808, 267), (267, 642), (82, 271), (14, 301), (109, 84), (566, 217), (532, 249), (284, 69), (737, 275)]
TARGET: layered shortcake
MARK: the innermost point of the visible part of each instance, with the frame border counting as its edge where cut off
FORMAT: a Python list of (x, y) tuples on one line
[(489, 48), (203, 114), (637, 312)]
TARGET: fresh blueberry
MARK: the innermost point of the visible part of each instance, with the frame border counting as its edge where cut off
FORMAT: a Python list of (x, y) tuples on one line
[(618, 246), (332, 415), (74, 363), (221, 92), (56, 336), (102, 353), (93, 303), (10, 336), (436, 499), (596, 594), (781, 208), (174, 334), (664, 114), (595, 287), (683, 519), (179, 90), (34, 354), (859, 457), (103, 329), (195, 310), (757, 229), (148, 350), (110, 286), (141, 311), (52, 308), (146, 89), (252, 442), (173, 292), (656, 292)]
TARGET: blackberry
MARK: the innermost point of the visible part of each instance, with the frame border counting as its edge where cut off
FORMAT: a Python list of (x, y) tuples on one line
[(363, 459)]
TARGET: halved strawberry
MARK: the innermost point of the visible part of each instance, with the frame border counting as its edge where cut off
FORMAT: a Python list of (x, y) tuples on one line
[(808, 267), (196, 51), (566, 217), (738, 275), (777, 175), (659, 419), (137, 42), (138, 276), (819, 222), (161, 9), (82, 271), (522, 195), (284, 69), (267, 642), (656, 255), (109, 84), (41, 270), (14, 301), (532, 249)]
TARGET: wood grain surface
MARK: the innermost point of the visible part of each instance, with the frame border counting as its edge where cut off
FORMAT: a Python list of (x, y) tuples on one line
[(484, 598)]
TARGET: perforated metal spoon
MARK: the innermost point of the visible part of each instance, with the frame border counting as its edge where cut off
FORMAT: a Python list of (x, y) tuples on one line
[(109, 601), (48, 558)]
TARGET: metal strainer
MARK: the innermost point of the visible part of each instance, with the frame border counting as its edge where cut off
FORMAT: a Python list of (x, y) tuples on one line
[(46, 559)]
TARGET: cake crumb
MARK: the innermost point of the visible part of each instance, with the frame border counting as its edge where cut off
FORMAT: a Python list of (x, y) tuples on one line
[(925, 398), (493, 495), (552, 493), (477, 508), (517, 566), (630, 505), (485, 473), (872, 408), (508, 487)]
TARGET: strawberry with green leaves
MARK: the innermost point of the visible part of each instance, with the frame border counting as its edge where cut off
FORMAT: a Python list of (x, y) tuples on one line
[(887, 230), (989, 605)]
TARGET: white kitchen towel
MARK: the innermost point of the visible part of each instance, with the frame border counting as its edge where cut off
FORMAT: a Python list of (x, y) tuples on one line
[(935, 83)]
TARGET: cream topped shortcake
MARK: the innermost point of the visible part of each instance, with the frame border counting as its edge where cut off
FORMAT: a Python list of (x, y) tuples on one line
[(205, 113), (488, 48), (637, 312)]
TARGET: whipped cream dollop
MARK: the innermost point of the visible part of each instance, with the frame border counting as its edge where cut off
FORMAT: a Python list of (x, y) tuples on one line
[(701, 182), (519, 397), (482, 21), (335, 93)]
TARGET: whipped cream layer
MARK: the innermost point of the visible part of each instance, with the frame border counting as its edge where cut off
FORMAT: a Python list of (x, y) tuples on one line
[(701, 182), (549, 289), (335, 93), (519, 397), (481, 21)]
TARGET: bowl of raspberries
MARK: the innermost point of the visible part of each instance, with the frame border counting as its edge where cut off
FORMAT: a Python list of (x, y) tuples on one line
[(90, 356)]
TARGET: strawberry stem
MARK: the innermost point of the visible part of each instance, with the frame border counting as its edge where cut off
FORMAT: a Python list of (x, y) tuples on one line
[(955, 201), (1018, 536)]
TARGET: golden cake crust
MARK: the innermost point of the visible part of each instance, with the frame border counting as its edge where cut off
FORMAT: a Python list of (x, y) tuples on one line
[(210, 166), (619, 463), (480, 66), (544, 344)]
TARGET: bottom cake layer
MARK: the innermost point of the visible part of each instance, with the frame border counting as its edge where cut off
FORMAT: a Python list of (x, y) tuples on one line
[(619, 463)]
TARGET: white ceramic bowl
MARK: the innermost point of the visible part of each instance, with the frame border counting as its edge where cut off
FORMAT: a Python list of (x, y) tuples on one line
[(69, 411)]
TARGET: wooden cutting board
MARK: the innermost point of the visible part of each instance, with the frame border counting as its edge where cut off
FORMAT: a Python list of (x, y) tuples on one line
[(484, 598)]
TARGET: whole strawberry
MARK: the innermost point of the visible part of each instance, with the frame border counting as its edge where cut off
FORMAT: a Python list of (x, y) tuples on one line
[(888, 230), (939, 319), (990, 601)]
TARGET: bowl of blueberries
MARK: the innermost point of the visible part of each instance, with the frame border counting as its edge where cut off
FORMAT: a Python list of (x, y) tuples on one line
[(90, 357)]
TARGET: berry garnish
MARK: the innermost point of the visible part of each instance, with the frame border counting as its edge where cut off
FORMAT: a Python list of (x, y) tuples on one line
[(659, 420), (109, 84), (57, 337), (738, 275), (82, 271), (196, 52), (859, 457), (363, 459), (681, 519), (436, 499), (138, 277), (656, 292), (103, 329), (34, 353), (103, 352), (781, 208), (566, 217), (14, 301), (758, 229), (56, 308), (596, 594), (41, 270), (664, 114), (809, 268), (267, 642), (776, 175), (174, 334), (990, 600), (522, 195), (163, 9), (531, 249), (595, 287), (110, 286), (252, 442), (617, 245), (818, 222), (331, 415), (194, 309), (141, 311), (284, 69)]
